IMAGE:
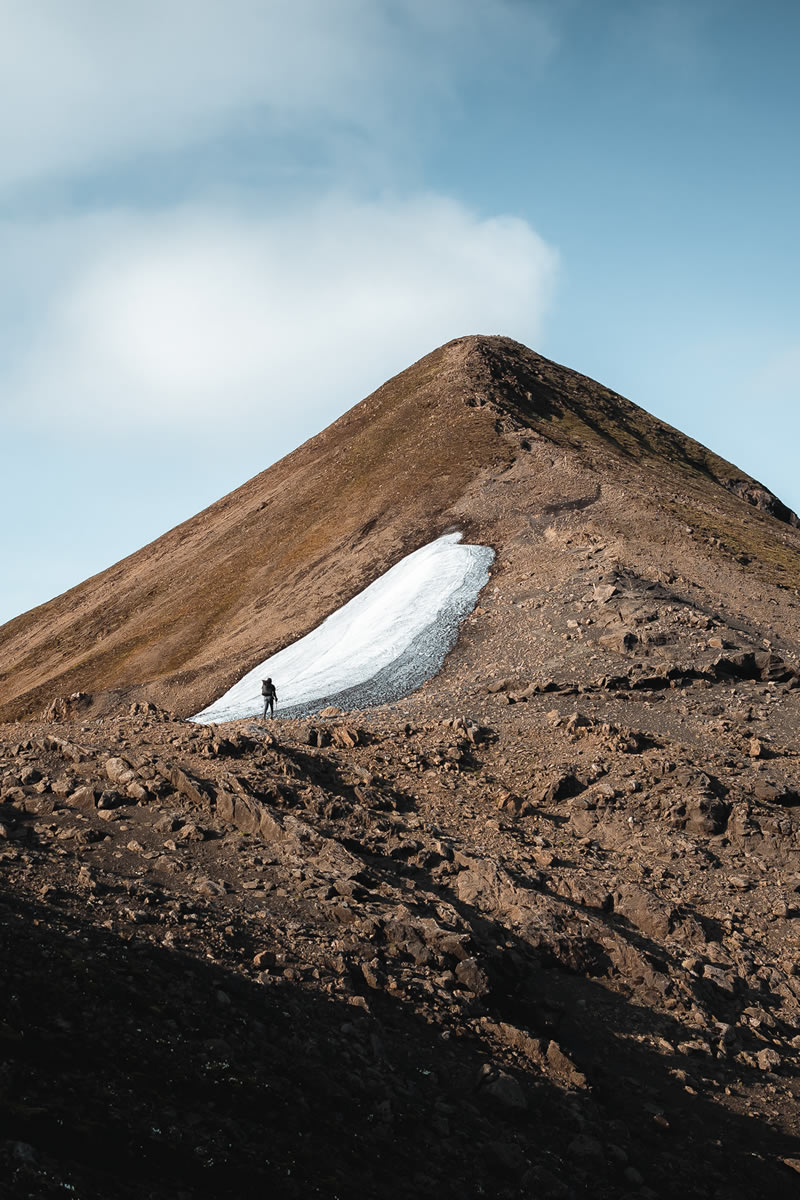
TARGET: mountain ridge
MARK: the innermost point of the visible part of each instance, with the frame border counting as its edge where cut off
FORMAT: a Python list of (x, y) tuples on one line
[(180, 619), (528, 929)]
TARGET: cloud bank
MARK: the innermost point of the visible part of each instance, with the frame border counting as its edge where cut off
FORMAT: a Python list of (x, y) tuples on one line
[(248, 302), (170, 321), (217, 233)]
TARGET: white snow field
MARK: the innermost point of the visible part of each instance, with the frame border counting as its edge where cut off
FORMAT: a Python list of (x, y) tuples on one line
[(381, 645)]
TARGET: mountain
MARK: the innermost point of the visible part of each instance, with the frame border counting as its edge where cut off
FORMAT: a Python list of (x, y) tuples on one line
[(527, 928), (483, 435)]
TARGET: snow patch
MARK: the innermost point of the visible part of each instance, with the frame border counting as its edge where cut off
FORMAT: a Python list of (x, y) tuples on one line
[(381, 645)]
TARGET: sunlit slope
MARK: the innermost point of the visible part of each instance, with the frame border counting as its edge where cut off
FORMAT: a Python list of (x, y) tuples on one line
[(268, 562), (482, 435)]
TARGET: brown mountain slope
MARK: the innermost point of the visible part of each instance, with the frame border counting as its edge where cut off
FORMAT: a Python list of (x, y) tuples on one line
[(482, 434), (532, 930)]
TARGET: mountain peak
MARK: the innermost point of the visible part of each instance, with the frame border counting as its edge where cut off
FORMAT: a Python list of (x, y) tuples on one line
[(484, 436), (525, 825)]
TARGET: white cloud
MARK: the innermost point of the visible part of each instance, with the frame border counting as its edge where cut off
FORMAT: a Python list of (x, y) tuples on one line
[(169, 322), (136, 319), (87, 84)]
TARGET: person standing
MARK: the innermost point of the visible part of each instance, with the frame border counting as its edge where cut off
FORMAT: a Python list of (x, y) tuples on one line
[(270, 697)]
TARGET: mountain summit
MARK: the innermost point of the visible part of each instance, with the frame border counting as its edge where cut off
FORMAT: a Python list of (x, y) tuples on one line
[(521, 923), (482, 435)]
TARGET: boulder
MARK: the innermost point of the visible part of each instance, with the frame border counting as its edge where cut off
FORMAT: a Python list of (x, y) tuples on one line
[(775, 793), (504, 1091), (473, 731), (119, 770), (248, 815), (500, 685), (706, 815), (621, 641), (645, 910), (562, 1066), (344, 738), (562, 785), (188, 788), (752, 664), (472, 977), (84, 797), (769, 1060)]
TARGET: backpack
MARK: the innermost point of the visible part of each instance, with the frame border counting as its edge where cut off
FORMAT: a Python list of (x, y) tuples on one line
[(265, 688)]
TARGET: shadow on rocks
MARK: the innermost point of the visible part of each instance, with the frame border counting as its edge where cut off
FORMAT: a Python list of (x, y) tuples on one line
[(131, 1070), (652, 1095)]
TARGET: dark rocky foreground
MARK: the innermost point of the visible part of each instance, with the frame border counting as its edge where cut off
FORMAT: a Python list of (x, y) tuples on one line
[(546, 951)]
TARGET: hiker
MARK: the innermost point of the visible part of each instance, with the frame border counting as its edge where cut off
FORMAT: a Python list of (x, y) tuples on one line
[(270, 696)]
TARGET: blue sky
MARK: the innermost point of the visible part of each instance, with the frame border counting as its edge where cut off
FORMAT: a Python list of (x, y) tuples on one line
[(221, 225)]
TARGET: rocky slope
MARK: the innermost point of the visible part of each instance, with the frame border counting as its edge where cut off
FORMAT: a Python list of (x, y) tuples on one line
[(546, 949), (531, 932), (482, 435)]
